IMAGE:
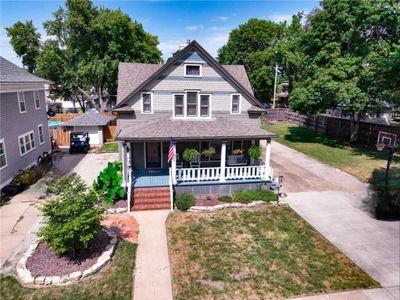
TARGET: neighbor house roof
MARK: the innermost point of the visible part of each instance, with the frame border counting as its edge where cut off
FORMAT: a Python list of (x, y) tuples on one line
[(132, 81), (90, 118), (10, 73), (166, 128)]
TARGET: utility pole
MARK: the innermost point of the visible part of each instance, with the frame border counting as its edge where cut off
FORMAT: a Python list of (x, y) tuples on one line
[(276, 75)]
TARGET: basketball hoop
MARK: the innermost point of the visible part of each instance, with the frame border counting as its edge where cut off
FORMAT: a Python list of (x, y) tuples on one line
[(380, 146)]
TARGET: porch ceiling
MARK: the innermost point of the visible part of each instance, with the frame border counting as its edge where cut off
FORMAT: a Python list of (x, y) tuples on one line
[(215, 129)]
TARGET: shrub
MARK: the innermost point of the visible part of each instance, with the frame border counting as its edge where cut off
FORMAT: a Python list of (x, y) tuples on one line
[(208, 152), (61, 184), (72, 220), (225, 198), (109, 183), (184, 201), (27, 177), (254, 152), (190, 154), (247, 196)]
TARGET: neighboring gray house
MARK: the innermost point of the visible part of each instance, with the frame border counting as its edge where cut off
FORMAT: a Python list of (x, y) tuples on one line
[(190, 102), (24, 134), (92, 122)]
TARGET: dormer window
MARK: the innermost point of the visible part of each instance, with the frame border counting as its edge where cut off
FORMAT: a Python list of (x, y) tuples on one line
[(235, 104), (192, 70), (147, 103)]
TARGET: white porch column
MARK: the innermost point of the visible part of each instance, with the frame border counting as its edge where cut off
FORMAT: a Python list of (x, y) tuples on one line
[(223, 159), (267, 158), (173, 164), (129, 174), (124, 163)]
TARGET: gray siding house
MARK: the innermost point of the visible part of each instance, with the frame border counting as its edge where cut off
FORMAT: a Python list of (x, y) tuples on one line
[(24, 134), (189, 102)]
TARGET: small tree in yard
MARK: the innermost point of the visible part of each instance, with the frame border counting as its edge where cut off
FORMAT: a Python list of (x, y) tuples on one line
[(109, 182), (72, 220)]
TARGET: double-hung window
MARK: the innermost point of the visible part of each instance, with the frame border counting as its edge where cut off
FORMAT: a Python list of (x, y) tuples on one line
[(179, 105), (26, 143), (204, 105), (147, 103), (40, 133), (191, 104), (36, 99), (235, 104), (3, 156), (21, 102)]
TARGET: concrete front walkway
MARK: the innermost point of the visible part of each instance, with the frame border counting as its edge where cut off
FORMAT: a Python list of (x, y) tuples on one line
[(152, 277)]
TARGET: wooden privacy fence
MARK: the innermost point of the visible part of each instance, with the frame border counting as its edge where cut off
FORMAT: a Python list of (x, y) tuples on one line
[(62, 136), (332, 126)]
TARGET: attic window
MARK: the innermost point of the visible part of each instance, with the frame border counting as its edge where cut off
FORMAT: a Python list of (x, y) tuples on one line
[(193, 70), (147, 103)]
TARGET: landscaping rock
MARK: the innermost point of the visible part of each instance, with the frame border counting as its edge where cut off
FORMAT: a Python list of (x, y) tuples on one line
[(75, 276), (39, 280), (48, 281), (55, 279)]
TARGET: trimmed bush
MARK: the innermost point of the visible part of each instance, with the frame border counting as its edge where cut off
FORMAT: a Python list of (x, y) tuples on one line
[(225, 198), (72, 220), (64, 183), (184, 201), (247, 196), (109, 183)]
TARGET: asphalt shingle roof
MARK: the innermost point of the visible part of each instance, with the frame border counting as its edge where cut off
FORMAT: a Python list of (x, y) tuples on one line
[(132, 75), (166, 128), (14, 74), (89, 119)]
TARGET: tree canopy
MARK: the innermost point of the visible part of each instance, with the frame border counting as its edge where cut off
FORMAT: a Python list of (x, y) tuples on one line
[(87, 43)]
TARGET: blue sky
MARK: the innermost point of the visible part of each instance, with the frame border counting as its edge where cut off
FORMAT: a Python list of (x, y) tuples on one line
[(174, 22)]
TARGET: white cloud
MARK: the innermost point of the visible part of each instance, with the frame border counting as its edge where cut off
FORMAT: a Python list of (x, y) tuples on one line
[(222, 18), (194, 27), (278, 18), (214, 41), (218, 28)]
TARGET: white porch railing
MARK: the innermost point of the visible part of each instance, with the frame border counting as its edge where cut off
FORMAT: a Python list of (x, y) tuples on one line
[(231, 173)]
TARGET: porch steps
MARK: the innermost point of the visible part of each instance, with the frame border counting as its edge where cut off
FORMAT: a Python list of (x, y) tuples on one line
[(151, 198)]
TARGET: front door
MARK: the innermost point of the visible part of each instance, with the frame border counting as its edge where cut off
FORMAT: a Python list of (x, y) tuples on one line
[(153, 155)]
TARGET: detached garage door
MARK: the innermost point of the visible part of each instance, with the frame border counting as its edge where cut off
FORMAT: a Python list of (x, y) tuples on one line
[(95, 134)]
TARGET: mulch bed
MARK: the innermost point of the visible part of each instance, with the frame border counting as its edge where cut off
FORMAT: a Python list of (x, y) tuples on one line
[(45, 262), (203, 201), (122, 203), (124, 225)]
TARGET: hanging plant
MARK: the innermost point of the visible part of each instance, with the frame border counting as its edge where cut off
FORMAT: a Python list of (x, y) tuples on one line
[(237, 152), (255, 152), (190, 154), (208, 152)]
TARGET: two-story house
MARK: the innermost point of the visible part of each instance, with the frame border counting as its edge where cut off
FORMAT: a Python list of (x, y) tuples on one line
[(189, 102), (24, 134)]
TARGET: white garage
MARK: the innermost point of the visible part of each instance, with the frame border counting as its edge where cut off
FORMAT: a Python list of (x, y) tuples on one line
[(91, 122)]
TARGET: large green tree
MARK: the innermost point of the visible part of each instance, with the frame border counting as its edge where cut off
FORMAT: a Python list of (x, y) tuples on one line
[(260, 45), (350, 58), (26, 43), (86, 46)]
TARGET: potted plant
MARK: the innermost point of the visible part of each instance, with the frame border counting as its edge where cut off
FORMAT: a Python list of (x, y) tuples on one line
[(254, 153), (190, 154), (237, 152), (208, 152)]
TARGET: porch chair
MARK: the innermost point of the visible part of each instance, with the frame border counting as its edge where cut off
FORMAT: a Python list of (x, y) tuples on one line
[(237, 160), (195, 163)]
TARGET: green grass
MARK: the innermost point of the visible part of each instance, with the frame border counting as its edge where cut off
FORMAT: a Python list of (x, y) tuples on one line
[(355, 160), (113, 282), (266, 253), (109, 147)]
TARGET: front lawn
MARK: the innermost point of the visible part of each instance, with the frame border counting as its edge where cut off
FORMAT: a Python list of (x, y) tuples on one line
[(358, 161), (113, 282), (265, 253)]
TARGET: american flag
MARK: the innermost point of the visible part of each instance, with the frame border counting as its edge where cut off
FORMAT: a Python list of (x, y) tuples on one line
[(170, 151)]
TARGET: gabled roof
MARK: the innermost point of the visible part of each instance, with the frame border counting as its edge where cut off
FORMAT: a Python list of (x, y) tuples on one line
[(90, 118), (166, 128), (10, 73), (136, 78)]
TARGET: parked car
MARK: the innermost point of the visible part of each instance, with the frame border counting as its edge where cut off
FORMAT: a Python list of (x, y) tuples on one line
[(79, 142)]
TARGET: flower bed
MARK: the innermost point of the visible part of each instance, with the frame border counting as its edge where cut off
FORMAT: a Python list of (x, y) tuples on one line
[(120, 206), (41, 266), (207, 201)]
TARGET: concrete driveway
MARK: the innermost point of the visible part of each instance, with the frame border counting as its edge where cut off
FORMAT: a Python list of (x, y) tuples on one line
[(21, 215), (332, 202)]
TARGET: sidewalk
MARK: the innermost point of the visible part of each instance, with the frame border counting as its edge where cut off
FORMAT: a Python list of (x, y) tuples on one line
[(372, 294), (152, 277)]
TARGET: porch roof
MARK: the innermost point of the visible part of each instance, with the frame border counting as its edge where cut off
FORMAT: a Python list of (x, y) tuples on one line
[(214, 129)]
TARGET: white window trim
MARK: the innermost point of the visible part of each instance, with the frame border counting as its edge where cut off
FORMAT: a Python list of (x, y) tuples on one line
[(21, 100), (195, 65), (19, 146), (198, 102), (38, 98), (240, 104), (209, 106), (151, 103), (41, 126), (184, 105), (5, 154)]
